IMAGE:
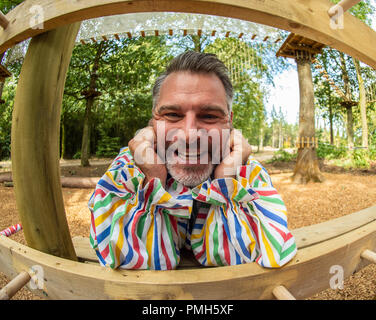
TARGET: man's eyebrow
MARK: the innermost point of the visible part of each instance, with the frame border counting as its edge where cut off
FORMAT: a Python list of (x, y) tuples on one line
[(169, 108), (214, 108)]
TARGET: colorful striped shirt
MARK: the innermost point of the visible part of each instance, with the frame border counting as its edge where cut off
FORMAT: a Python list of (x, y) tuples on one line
[(223, 221)]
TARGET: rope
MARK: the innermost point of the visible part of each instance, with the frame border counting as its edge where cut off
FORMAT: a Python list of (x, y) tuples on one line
[(11, 230)]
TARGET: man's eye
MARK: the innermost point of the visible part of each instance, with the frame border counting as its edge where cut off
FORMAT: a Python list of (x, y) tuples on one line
[(209, 116), (172, 115)]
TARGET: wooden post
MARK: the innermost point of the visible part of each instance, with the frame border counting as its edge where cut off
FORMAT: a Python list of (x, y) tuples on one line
[(3, 21), (14, 285), (369, 255), (345, 4), (35, 142), (281, 293)]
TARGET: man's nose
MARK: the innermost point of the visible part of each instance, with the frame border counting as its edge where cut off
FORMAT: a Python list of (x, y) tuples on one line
[(190, 126)]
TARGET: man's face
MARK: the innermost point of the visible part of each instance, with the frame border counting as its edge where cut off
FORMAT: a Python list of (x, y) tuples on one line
[(190, 105)]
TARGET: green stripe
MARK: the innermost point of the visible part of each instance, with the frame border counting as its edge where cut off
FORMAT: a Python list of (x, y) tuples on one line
[(140, 226), (272, 239), (168, 226), (242, 192), (103, 203), (272, 200), (197, 244), (115, 218), (135, 183), (215, 250), (92, 242), (115, 175), (285, 253), (256, 183)]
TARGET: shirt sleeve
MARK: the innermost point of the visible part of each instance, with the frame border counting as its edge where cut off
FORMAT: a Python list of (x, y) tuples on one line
[(246, 221), (135, 227)]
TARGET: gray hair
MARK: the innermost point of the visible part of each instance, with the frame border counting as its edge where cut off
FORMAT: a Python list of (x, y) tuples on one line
[(196, 62)]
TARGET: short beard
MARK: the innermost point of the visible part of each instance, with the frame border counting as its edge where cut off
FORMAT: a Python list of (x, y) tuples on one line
[(190, 177)]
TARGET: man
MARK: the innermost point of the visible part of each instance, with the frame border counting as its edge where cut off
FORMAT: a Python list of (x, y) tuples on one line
[(188, 181)]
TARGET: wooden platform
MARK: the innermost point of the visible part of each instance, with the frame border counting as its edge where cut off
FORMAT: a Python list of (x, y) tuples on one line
[(336, 242)]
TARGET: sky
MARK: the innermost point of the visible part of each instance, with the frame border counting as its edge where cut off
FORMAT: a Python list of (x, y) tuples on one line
[(286, 91)]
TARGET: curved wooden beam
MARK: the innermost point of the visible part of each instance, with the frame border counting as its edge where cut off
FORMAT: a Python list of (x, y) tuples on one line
[(35, 141), (308, 273), (306, 18)]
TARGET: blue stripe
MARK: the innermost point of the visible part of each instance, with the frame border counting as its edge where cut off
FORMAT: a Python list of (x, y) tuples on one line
[(238, 231), (156, 247), (100, 257), (271, 215), (108, 186), (223, 187), (185, 197), (130, 254), (103, 235)]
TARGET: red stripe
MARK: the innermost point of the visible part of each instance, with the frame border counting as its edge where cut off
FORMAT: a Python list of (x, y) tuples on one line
[(101, 192), (225, 246), (201, 197), (252, 224), (267, 193), (105, 252), (243, 171), (165, 254), (93, 225), (283, 235), (136, 246)]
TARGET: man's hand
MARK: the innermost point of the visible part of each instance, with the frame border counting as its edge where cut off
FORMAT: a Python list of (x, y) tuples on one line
[(239, 152), (143, 149)]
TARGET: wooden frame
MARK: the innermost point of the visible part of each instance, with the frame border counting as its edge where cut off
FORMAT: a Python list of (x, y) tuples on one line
[(35, 132), (342, 242), (308, 19)]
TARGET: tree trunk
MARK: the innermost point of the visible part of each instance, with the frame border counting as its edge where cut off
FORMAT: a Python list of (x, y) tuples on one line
[(350, 126), (348, 103), (35, 142), (306, 167), (90, 97), (362, 104), (85, 146), (331, 122)]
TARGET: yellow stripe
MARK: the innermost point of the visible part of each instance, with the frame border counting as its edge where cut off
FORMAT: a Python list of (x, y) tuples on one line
[(253, 174), (244, 182), (269, 251), (207, 232), (118, 185), (99, 220), (166, 196), (120, 241), (249, 234), (150, 236)]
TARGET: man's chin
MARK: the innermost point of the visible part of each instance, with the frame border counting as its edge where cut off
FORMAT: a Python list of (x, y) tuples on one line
[(190, 175)]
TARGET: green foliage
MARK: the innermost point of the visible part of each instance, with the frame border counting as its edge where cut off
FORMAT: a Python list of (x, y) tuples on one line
[(282, 156), (108, 146), (360, 159), (77, 155), (327, 151)]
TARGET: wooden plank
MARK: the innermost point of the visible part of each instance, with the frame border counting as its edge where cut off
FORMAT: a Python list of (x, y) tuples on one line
[(35, 135), (318, 233), (307, 274), (307, 18)]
